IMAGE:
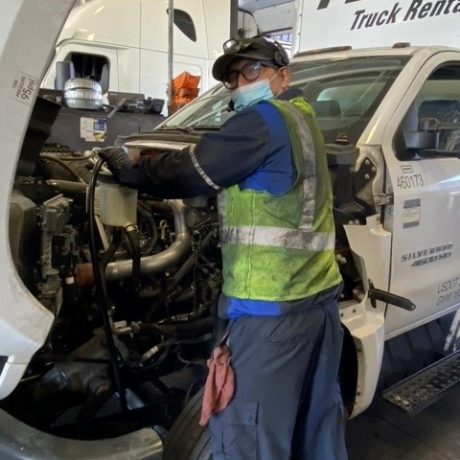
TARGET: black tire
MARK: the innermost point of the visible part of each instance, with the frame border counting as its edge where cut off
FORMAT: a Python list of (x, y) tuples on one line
[(186, 439)]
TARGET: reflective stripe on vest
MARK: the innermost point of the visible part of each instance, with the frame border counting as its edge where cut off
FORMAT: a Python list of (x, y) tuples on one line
[(277, 237), (308, 174)]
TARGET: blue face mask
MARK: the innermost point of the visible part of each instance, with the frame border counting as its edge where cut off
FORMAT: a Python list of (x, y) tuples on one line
[(250, 94)]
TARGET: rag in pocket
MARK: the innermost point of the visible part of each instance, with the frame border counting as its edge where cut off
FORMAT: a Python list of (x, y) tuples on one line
[(220, 384)]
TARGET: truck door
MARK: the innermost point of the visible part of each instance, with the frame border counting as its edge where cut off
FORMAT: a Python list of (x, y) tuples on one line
[(425, 216)]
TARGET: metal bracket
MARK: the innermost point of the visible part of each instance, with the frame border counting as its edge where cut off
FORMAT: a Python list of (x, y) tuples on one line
[(383, 199), (375, 294)]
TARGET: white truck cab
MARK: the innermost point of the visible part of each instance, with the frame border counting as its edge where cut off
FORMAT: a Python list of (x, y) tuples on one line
[(123, 44), (115, 372)]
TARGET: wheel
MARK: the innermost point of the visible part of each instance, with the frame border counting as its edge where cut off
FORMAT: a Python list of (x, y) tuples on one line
[(187, 440)]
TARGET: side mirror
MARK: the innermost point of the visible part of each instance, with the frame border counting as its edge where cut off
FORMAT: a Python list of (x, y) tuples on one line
[(65, 70), (104, 82)]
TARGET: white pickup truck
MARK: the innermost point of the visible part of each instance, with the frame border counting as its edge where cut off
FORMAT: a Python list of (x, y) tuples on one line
[(115, 372)]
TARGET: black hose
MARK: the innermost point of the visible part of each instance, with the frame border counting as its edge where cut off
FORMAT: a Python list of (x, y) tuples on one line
[(102, 298), (68, 186), (188, 341), (147, 215), (106, 257), (161, 205), (133, 239), (174, 341), (181, 330)]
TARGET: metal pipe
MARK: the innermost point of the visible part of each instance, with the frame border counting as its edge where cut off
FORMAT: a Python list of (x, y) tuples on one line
[(158, 262), (170, 53), (84, 275), (233, 19)]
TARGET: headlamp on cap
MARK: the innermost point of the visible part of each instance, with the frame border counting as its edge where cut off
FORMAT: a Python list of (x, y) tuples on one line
[(232, 46)]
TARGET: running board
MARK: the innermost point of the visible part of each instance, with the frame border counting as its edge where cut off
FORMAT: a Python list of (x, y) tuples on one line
[(422, 389)]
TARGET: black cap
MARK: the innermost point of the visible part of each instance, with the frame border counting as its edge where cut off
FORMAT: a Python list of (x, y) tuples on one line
[(257, 49)]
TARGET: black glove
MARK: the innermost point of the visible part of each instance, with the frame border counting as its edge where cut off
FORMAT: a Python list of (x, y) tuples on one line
[(116, 159)]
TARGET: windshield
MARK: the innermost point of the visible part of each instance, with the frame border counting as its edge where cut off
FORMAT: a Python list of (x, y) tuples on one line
[(344, 93)]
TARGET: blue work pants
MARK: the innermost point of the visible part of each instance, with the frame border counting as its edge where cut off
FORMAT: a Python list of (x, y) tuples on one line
[(287, 404)]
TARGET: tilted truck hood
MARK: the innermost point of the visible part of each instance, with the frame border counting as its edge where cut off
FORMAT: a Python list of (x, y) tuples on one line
[(27, 37)]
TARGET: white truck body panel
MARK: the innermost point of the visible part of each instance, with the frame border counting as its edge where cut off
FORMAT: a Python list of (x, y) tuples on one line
[(24, 322), (367, 23), (425, 255), (371, 245)]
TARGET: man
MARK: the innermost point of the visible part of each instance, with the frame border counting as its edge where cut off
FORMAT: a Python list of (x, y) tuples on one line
[(281, 281)]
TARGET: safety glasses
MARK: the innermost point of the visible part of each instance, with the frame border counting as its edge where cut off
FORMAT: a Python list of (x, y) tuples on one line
[(250, 71)]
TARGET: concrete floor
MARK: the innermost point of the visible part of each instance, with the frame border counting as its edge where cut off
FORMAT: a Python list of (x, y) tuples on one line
[(384, 432)]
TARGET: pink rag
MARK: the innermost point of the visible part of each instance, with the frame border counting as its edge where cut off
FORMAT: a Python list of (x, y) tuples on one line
[(220, 384)]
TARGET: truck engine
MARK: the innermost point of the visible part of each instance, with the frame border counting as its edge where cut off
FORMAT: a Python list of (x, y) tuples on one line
[(160, 285)]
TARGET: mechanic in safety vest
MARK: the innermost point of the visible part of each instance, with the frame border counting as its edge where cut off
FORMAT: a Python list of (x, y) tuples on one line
[(281, 280)]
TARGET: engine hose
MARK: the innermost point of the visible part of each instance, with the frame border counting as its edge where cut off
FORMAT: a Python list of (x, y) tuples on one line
[(103, 298), (171, 342), (133, 239), (63, 164), (99, 392), (148, 217), (106, 257), (181, 330), (68, 186), (160, 205)]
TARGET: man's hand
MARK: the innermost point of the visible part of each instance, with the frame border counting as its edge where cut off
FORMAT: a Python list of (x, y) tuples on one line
[(116, 159)]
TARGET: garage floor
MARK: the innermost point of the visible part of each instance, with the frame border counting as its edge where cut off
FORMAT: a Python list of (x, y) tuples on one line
[(384, 432)]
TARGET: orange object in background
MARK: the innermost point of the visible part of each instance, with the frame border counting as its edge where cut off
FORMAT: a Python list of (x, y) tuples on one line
[(184, 89)]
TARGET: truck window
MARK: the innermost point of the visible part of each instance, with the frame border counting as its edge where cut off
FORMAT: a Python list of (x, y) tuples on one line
[(184, 23), (432, 117), (91, 66), (344, 94)]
